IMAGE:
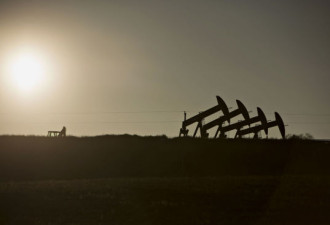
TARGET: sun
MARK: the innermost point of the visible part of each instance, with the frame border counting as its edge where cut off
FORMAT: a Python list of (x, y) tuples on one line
[(26, 70)]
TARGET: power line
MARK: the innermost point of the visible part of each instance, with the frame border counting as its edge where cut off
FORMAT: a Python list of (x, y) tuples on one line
[(96, 122), (94, 113), (308, 122), (306, 114), (150, 112), (141, 122)]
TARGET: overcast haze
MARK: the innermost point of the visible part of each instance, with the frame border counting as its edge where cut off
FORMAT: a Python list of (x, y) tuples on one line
[(134, 66)]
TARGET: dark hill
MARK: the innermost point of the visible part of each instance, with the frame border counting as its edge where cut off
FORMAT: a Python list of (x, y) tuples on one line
[(30, 158)]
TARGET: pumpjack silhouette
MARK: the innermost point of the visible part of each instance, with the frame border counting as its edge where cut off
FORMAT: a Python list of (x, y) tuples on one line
[(201, 116), (255, 130), (61, 133), (241, 110), (242, 128)]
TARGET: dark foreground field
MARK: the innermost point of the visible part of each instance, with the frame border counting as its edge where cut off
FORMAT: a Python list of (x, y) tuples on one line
[(134, 180)]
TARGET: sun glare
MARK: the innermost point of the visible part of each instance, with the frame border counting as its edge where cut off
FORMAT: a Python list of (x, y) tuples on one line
[(26, 70)]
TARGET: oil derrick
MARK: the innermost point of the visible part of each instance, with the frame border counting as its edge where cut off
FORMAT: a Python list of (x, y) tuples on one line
[(277, 122), (260, 118), (221, 106), (241, 110)]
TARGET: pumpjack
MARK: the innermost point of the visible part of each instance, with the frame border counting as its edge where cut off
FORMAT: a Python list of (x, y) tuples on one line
[(260, 119), (221, 106), (241, 110), (264, 126), (61, 133)]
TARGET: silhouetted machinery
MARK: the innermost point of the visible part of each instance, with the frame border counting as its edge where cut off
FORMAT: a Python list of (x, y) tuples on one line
[(242, 128), (201, 116), (255, 130), (61, 133), (241, 110)]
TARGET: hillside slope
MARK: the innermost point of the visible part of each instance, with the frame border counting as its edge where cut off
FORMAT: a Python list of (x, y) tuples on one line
[(32, 158)]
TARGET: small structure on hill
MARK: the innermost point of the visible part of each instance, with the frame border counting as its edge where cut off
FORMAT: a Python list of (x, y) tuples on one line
[(61, 133)]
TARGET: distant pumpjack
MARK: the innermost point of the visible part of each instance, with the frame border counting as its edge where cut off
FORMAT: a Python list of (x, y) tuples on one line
[(277, 122), (61, 133), (201, 116), (239, 125), (226, 117)]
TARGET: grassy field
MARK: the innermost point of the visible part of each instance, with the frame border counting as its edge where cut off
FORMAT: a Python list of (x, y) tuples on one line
[(221, 200), (134, 180)]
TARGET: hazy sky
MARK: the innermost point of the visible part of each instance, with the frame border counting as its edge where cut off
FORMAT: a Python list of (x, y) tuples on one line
[(134, 66)]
